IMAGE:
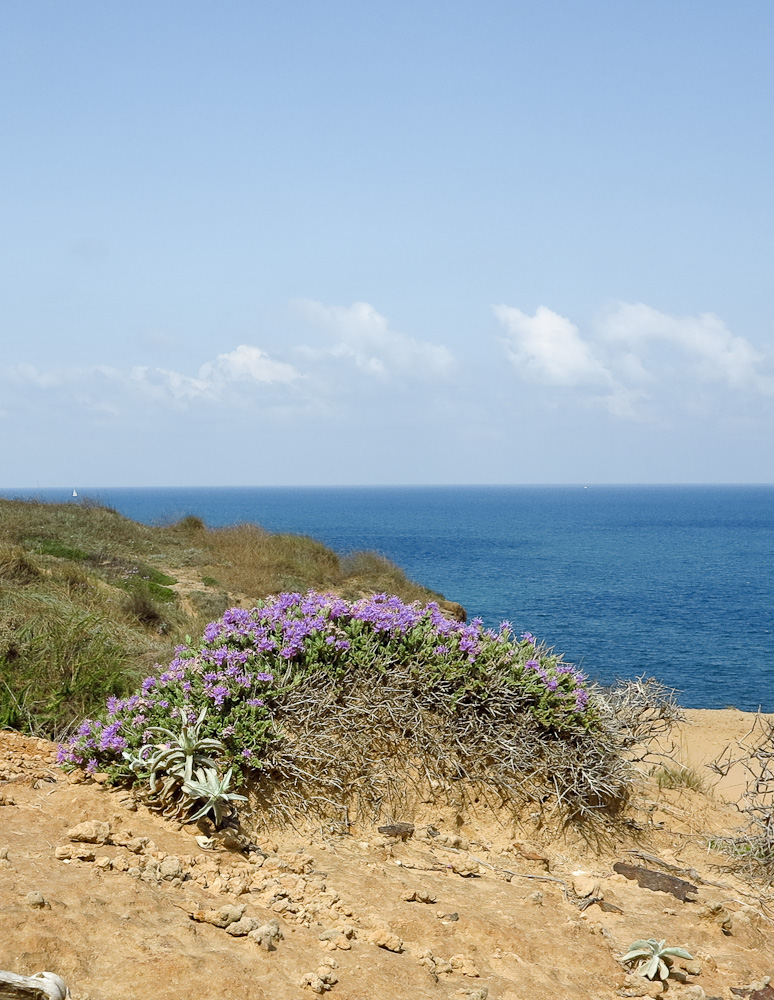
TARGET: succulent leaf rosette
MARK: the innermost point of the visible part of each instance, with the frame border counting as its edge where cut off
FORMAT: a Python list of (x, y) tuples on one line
[(652, 956)]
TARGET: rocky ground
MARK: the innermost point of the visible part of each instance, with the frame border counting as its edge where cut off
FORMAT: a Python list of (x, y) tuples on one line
[(126, 906)]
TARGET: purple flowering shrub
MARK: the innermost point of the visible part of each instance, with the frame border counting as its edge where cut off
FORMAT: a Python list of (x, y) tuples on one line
[(251, 662)]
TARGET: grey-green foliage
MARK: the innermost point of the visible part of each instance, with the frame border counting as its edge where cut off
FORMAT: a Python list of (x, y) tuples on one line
[(183, 750), (177, 757), (652, 956), (214, 790)]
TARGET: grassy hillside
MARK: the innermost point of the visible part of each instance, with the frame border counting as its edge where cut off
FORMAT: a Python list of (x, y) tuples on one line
[(90, 600)]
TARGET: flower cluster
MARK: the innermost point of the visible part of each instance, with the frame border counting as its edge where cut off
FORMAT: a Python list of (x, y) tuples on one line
[(249, 660)]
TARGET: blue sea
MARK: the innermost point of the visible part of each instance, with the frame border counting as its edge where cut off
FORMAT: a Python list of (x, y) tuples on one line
[(675, 582)]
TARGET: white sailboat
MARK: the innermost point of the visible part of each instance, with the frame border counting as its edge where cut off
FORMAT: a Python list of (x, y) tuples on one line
[(74, 493)]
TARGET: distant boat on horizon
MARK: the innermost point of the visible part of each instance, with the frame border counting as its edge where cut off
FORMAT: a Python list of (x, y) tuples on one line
[(74, 493)]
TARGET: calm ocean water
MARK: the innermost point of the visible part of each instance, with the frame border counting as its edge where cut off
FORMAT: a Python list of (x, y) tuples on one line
[(676, 582)]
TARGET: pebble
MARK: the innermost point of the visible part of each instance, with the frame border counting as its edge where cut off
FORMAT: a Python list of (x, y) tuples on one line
[(92, 831), (383, 937), (37, 900), (73, 852)]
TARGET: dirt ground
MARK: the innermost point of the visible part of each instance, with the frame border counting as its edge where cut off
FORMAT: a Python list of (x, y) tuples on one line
[(466, 907)]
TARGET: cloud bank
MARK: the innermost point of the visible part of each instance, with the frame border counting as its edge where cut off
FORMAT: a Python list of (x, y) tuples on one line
[(633, 355), (363, 336)]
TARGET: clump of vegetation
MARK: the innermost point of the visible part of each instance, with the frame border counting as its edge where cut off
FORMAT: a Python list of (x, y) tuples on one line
[(62, 565), (678, 776), (332, 703), (58, 656), (752, 850), (655, 960), (16, 566)]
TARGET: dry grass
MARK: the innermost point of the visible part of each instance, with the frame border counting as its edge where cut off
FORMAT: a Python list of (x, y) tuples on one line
[(86, 605), (752, 850), (680, 777)]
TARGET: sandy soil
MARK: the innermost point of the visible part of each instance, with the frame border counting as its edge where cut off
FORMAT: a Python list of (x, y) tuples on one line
[(472, 908)]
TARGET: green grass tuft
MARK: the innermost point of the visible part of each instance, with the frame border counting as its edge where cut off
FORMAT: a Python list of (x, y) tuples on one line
[(92, 564), (681, 777)]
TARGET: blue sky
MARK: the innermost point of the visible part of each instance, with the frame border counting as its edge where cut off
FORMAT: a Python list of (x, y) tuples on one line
[(406, 242)]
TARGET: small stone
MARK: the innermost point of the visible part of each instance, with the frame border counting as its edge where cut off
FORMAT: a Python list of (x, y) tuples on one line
[(92, 831), (463, 964), (267, 935), (74, 852), (419, 896), (243, 926), (382, 937), (37, 900), (694, 992), (170, 868), (314, 982), (298, 863), (479, 994), (536, 898), (465, 867), (104, 863), (637, 986), (586, 885)]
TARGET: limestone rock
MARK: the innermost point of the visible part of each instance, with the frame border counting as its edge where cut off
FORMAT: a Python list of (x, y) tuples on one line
[(170, 868), (637, 986), (585, 886), (92, 831), (74, 852), (220, 918), (267, 935), (37, 901), (463, 964), (466, 867), (322, 980), (383, 937), (243, 926)]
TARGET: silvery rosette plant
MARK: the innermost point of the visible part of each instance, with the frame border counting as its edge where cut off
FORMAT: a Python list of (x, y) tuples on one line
[(214, 790), (653, 957)]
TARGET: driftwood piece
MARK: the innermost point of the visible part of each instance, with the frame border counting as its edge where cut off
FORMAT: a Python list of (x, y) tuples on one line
[(658, 881), (402, 830), (41, 986)]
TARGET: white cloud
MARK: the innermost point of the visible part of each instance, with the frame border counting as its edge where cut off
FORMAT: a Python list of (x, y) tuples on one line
[(29, 374), (245, 364), (549, 349), (636, 361), (363, 335), (714, 353)]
